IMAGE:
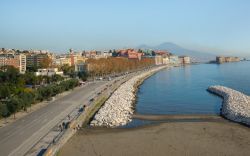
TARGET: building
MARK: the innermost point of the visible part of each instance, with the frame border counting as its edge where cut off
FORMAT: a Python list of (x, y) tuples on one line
[(70, 59), (223, 59), (134, 55), (162, 52), (62, 61), (35, 60), (48, 72), (81, 67), (184, 60), (22, 65), (130, 54), (165, 60), (89, 54), (96, 54), (173, 59), (16, 60), (158, 60)]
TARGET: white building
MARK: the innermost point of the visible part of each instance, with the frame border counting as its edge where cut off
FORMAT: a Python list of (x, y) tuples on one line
[(48, 72), (173, 59), (22, 65), (165, 60)]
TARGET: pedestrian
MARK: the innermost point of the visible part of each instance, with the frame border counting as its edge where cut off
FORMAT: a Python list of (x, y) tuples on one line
[(60, 126), (69, 117), (63, 125), (84, 107)]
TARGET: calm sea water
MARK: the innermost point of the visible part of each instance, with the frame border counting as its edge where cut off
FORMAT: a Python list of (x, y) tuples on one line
[(182, 90)]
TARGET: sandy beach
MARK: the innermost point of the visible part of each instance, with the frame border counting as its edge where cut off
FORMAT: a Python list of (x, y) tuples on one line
[(171, 138)]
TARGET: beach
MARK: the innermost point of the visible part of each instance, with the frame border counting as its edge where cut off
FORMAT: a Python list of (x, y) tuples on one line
[(170, 138)]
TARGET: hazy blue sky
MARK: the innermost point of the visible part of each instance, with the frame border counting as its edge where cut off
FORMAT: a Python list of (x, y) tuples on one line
[(208, 25)]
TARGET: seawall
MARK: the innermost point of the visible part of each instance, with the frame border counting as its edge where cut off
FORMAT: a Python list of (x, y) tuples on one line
[(235, 106), (118, 109)]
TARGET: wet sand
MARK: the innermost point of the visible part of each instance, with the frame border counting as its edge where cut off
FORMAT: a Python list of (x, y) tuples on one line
[(171, 138)]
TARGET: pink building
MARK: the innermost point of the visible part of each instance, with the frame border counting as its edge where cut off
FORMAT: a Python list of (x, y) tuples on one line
[(130, 53)]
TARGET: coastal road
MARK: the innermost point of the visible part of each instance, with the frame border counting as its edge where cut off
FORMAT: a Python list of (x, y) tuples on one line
[(18, 137)]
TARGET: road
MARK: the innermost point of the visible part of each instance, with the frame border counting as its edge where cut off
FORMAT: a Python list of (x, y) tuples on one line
[(18, 137)]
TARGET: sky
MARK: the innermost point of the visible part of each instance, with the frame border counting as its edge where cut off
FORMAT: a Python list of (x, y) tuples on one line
[(215, 26)]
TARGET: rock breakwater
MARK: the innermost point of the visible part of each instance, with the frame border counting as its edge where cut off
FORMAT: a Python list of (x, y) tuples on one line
[(236, 105), (118, 109)]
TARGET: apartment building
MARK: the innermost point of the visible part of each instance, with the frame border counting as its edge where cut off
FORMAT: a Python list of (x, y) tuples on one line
[(34, 59), (16, 60)]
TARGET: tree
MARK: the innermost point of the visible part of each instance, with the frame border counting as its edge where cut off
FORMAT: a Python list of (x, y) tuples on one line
[(5, 91), (31, 68), (83, 75), (3, 110), (27, 98), (153, 53), (14, 105), (46, 63), (56, 78), (115, 65), (114, 53), (30, 78), (68, 70), (140, 51), (9, 74)]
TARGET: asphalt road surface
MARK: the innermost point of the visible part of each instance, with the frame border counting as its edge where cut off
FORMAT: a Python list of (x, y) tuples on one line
[(18, 137)]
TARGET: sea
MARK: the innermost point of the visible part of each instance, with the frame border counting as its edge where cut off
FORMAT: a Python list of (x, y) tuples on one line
[(183, 90)]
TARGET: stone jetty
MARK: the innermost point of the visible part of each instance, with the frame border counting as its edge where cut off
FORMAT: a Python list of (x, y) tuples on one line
[(118, 109), (236, 105)]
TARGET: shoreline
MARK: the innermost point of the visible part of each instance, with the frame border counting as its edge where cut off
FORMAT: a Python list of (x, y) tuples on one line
[(118, 109), (83, 118), (167, 138)]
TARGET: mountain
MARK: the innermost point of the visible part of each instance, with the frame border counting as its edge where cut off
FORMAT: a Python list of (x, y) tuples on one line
[(178, 50)]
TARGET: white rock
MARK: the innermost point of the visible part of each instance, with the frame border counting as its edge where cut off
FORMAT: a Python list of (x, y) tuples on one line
[(236, 105), (118, 109)]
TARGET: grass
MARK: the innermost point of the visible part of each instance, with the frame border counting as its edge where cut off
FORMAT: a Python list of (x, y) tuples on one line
[(93, 109)]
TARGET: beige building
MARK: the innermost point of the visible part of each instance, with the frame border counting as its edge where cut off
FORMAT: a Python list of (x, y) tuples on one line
[(184, 60), (222, 59), (158, 60), (62, 61), (69, 60)]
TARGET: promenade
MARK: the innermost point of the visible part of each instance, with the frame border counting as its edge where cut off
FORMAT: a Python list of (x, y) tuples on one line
[(17, 138)]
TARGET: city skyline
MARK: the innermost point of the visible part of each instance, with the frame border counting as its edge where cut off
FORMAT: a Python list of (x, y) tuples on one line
[(209, 26)]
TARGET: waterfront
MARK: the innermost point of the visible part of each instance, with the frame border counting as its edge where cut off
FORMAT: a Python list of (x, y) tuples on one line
[(182, 90), (173, 132)]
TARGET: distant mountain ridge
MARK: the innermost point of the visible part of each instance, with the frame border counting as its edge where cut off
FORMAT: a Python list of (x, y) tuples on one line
[(178, 50)]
